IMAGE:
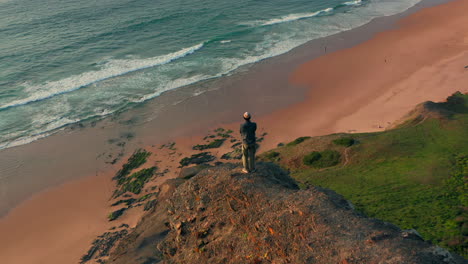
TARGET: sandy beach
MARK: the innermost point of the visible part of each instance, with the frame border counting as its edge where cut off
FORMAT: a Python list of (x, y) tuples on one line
[(362, 88), (370, 86)]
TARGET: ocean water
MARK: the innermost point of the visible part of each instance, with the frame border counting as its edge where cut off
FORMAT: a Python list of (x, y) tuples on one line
[(64, 61)]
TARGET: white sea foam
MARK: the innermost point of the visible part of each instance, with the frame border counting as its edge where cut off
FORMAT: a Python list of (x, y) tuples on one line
[(290, 18), (172, 85), (225, 41), (353, 3), (266, 49), (111, 69), (51, 128)]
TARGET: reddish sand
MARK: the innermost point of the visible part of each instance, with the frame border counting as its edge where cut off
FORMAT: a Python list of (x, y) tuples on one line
[(367, 87), (55, 226), (363, 88)]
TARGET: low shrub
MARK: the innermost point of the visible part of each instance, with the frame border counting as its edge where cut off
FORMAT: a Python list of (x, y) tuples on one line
[(345, 141), (297, 141), (323, 159), (272, 155), (312, 157)]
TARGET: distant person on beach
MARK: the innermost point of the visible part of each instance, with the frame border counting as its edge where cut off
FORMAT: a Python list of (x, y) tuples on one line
[(247, 131)]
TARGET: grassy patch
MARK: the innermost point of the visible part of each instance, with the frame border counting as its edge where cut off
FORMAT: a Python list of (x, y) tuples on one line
[(414, 176), (311, 158), (136, 160), (213, 144), (135, 182), (145, 197), (323, 159), (297, 141), (221, 132), (271, 155), (345, 141)]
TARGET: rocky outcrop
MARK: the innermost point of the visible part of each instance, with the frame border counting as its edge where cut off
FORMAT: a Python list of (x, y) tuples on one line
[(223, 216)]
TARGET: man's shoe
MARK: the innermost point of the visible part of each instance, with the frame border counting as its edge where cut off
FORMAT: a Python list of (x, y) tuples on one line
[(245, 171)]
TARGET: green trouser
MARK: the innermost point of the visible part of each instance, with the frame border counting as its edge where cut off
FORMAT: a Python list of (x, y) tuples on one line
[(248, 156)]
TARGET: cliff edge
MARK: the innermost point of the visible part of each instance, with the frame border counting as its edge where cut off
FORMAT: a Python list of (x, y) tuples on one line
[(222, 216)]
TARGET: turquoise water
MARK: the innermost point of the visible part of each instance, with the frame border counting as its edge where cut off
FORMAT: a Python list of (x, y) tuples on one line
[(64, 61)]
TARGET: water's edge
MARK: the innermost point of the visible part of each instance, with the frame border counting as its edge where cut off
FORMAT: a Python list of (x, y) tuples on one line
[(80, 150)]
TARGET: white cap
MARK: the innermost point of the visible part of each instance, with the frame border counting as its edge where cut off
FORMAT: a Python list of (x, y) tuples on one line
[(246, 115)]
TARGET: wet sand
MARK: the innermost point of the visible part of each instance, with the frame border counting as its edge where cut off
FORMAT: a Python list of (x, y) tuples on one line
[(347, 89)]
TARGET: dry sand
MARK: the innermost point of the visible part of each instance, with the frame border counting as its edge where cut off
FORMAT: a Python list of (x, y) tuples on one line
[(367, 87), (363, 88)]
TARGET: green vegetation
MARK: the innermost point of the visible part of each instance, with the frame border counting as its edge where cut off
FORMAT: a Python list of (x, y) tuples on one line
[(345, 141), (235, 154), (136, 160), (135, 182), (324, 159), (145, 197), (170, 145), (271, 155), (457, 102), (221, 132), (127, 202), (116, 214), (456, 230), (311, 158), (213, 144), (415, 176), (297, 141)]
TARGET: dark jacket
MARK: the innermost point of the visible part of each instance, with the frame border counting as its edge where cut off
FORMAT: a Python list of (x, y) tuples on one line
[(247, 131)]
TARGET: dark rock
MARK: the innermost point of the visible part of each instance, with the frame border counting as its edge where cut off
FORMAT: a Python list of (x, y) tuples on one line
[(116, 214), (150, 204), (199, 158), (235, 154), (187, 173), (411, 234), (102, 245)]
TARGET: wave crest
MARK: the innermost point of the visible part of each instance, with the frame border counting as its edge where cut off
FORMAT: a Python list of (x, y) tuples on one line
[(291, 17), (353, 3), (110, 69)]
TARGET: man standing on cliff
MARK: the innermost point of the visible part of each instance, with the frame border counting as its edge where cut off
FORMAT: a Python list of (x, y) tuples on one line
[(247, 131)]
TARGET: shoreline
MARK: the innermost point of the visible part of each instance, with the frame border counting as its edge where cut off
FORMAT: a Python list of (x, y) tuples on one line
[(176, 109), (277, 120)]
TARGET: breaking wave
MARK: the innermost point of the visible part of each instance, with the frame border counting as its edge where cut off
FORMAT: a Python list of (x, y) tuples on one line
[(112, 68)]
